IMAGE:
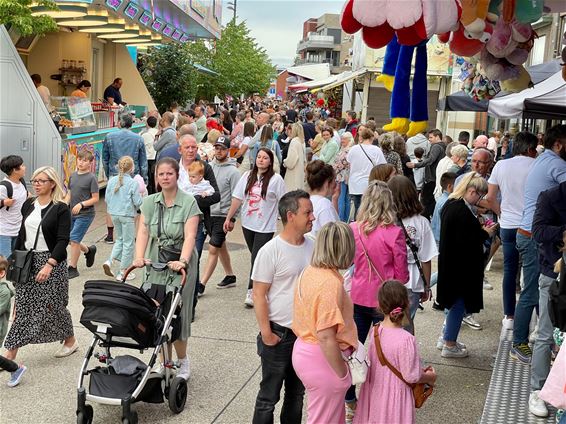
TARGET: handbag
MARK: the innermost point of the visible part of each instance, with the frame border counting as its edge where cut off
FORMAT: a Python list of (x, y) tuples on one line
[(421, 391), (20, 261), (165, 254), (358, 362)]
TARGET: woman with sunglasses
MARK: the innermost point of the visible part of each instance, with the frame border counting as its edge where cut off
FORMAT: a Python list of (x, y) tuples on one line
[(460, 291), (41, 302)]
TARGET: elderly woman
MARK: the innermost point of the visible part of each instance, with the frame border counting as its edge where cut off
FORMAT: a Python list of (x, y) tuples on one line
[(391, 156), (41, 301), (166, 233), (463, 294), (323, 323), (342, 169), (459, 156)]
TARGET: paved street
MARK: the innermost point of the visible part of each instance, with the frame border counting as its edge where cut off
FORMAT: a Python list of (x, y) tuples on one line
[(225, 368)]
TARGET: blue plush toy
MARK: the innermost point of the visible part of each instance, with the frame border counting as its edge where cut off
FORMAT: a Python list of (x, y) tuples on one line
[(408, 111)]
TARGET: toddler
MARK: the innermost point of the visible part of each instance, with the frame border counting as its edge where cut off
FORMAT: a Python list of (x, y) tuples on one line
[(198, 185)]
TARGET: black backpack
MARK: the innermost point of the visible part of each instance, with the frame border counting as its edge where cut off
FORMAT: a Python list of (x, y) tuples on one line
[(10, 189), (557, 300)]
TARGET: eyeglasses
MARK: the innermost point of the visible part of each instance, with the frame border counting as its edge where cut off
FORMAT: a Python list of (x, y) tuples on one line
[(41, 182), (483, 162)]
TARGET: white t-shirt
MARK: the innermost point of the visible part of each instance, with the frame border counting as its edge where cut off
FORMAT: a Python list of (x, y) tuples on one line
[(420, 232), (280, 264), (259, 214), (511, 176), (361, 166), (32, 224), (11, 219), (323, 211), (45, 95)]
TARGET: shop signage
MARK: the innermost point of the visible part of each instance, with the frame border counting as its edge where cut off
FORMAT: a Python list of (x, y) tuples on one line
[(114, 4), (145, 18), (157, 25), (131, 10)]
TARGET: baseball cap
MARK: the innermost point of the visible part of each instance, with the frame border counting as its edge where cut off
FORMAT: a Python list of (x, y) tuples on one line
[(223, 141)]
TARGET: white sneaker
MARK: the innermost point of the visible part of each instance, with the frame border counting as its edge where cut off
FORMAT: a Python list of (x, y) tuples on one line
[(533, 336), (507, 323), (184, 370), (486, 285), (471, 322), (249, 302), (131, 276), (440, 344), (107, 266), (453, 352), (537, 406)]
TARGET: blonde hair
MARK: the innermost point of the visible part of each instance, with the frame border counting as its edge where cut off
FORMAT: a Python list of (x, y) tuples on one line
[(469, 180), (57, 192), (460, 151), (213, 136), (386, 141), (334, 247), (297, 131), (377, 207), (197, 167), (125, 166)]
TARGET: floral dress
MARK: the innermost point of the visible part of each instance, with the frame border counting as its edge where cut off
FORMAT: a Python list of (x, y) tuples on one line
[(342, 166)]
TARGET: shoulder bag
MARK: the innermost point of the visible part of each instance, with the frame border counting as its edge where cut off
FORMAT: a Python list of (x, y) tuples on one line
[(367, 156), (165, 254), (20, 261), (358, 362), (371, 266), (415, 252), (421, 391)]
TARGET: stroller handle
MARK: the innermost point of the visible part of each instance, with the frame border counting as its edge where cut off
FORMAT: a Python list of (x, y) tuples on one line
[(157, 266)]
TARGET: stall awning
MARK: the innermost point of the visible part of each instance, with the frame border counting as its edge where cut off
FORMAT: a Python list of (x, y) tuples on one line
[(345, 77), (550, 93), (461, 102), (309, 85)]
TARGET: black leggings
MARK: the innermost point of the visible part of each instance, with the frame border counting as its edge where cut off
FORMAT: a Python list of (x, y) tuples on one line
[(255, 241), (8, 365)]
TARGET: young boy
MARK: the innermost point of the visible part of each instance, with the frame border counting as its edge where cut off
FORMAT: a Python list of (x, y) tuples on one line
[(419, 173), (11, 205), (82, 196), (5, 297)]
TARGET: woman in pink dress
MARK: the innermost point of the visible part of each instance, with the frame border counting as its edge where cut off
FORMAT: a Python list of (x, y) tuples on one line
[(384, 397)]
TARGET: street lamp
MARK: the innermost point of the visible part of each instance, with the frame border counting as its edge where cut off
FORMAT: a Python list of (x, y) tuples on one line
[(232, 5)]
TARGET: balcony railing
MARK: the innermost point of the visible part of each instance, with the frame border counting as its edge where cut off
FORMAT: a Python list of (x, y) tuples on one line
[(315, 41)]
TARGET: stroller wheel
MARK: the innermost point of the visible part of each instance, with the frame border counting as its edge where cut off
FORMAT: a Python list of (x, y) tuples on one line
[(132, 419), (177, 395), (85, 417)]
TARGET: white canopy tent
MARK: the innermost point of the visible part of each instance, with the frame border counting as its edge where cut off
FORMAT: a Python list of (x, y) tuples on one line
[(550, 92)]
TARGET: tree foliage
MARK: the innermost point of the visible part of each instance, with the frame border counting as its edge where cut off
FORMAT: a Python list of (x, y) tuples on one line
[(17, 13), (242, 66)]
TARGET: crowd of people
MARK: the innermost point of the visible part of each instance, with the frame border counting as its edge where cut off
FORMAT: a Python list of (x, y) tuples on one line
[(363, 215)]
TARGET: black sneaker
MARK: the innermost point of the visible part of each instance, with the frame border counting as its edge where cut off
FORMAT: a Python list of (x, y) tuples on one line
[(437, 307), (109, 239), (200, 289), (73, 272), (227, 282), (90, 256)]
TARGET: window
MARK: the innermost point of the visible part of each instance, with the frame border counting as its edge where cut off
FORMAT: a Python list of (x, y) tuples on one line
[(537, 53)]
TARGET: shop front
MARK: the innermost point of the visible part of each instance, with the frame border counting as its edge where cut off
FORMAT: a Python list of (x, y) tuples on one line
[(98, 41)]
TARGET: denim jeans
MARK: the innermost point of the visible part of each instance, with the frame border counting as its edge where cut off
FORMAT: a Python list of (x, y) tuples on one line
[(7, 244), (540, 364), (414, 300), (79, 226), (124, 239), (510, 269), (364, 317), (276, 370), (454, 320), (528, 299), (357, 199), (344, 203)]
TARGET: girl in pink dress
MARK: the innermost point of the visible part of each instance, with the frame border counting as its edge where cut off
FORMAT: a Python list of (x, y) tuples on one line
[(384, 398)]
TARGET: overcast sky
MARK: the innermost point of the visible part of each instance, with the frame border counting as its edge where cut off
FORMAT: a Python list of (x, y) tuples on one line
[(277, 25)]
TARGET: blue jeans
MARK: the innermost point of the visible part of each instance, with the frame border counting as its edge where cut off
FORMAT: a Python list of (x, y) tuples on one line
[(510, 269), (528, 300), (79, 226), (344, 203), (454, 320), (357, 199), (7, 244), (124, 239), (414, 301), (542, 349), (364, 317)]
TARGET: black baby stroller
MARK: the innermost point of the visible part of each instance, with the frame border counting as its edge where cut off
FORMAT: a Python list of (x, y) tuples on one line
[(121, 315)]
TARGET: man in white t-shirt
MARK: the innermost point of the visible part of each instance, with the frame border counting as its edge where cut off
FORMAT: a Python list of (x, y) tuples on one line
[(42, 90), (10, 206), (278, 265), (508, 178)]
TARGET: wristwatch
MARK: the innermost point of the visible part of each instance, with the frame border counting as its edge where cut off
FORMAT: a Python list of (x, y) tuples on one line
[(82, 205), (184, 260)]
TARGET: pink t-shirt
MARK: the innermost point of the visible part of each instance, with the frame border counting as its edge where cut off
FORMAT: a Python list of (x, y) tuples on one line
[(386, 249)]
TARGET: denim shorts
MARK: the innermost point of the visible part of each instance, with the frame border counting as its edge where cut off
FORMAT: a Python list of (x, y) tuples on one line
[(79, 226)]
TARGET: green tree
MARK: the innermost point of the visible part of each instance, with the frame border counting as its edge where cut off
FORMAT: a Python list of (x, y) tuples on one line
[(17, 13)]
